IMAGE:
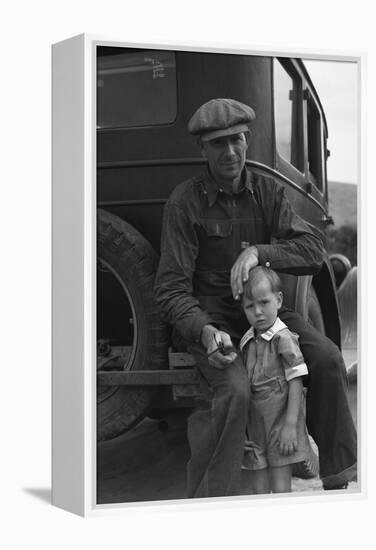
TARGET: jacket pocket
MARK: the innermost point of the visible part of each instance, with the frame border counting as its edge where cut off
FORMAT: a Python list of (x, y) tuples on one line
[(216, 249), (217, 228)]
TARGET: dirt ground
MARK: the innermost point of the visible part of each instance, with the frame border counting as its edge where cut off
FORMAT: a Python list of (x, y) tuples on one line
[(148, 463)]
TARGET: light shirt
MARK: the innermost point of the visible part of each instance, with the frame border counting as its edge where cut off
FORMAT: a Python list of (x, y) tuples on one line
[(272, 354)]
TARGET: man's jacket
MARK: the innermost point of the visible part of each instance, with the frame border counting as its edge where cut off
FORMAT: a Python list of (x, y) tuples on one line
[(202, 236)]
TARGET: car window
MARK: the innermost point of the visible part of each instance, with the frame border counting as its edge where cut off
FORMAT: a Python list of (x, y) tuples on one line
[(135, 87), (288, 114), (315, 143)]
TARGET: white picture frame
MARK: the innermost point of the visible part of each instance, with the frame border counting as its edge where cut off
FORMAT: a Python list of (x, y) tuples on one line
[(74, 260)]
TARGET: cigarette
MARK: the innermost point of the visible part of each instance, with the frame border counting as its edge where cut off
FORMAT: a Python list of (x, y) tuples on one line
[(219, 347), (218, 342), (213, 352)]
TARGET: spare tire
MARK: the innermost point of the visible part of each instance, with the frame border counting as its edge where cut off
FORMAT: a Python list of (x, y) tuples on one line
[(127, 266)]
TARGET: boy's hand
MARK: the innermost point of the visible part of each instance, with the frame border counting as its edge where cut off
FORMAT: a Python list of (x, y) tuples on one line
[(288, 441), (248, 445), (220, 350)]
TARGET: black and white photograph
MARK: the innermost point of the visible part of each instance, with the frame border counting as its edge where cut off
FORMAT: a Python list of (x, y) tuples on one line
[(187, 303), (227, 274)]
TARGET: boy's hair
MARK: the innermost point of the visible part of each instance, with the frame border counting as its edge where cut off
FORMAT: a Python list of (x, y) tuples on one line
[(256, 275)]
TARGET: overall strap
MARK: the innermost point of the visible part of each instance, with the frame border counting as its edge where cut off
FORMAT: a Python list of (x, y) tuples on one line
[(257, 195)]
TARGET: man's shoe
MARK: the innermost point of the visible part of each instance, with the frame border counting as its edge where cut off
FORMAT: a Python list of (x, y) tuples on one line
[(336, 487), (340, 480)]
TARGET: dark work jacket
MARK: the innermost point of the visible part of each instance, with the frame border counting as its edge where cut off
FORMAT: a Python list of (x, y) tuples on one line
[(202, 235)]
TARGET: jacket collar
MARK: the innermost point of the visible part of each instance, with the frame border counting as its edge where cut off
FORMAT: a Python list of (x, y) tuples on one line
[(212, 188), (267, 335)]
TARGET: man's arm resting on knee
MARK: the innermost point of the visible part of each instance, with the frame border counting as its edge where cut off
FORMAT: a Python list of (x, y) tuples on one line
[(293, 247)]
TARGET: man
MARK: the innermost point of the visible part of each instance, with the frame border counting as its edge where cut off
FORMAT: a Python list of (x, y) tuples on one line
[(218, 226)]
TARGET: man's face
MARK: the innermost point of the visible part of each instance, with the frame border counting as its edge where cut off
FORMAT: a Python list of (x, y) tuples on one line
[(226, 155), (262, 309)]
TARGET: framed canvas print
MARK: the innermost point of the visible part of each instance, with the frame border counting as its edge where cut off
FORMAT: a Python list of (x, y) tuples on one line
[(205, 274)]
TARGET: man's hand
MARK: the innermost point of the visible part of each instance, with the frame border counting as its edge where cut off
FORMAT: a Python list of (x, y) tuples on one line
[(219, 347), (239, 272), (288, 441)]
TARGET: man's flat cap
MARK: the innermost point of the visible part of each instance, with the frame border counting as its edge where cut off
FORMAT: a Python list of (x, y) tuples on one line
[(220, 117)]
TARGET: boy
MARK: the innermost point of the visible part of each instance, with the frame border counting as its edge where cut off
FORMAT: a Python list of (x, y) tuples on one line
[(277, 436)]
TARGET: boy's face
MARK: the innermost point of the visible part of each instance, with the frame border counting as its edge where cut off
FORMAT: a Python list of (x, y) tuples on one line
[(262, 309)]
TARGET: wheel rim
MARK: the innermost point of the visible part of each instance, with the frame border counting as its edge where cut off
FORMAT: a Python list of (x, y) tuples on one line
[(104, 392)]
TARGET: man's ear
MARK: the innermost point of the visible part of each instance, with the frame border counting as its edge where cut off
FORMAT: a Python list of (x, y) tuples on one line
[(247, 136)]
